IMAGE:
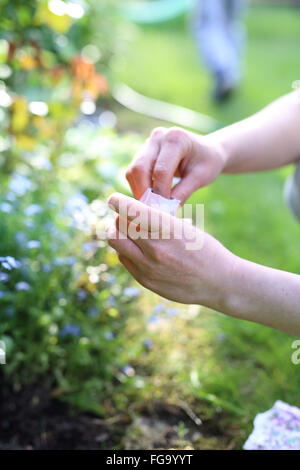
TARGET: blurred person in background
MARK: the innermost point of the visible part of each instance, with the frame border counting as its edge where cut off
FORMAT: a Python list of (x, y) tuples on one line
[(220, 36)]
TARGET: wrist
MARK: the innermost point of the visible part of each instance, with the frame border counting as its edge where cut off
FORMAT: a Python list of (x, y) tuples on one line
[(223, 147), (220, 279)]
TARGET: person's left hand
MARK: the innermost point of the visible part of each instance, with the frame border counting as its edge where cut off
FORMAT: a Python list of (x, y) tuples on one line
[(166, 266)]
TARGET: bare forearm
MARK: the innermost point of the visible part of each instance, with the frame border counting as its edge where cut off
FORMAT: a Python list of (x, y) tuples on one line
[(264, 295), (269, 139)]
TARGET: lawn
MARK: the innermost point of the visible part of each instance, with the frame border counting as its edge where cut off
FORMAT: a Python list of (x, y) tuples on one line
[(223, 367)]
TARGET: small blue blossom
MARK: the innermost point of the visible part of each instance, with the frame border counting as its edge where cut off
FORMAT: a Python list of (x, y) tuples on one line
[(46, 268), (111, 301), (158, 309), (20, 184), (22, 286), (9, 263), (81, 294), (4, 277), (70, 330), (153, 319), (29, 224), (6, 207), (129, 371), (76, 202), (10, 197), (21, 238), (93, 312), (33, 244), (131, 291), (111, 280), (172, 312), (68, 261), (2, 294), (109, 335), (148, 343), (32, 210), (89, 246)]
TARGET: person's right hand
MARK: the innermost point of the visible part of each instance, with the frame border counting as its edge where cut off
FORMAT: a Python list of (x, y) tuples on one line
[(175, 152)]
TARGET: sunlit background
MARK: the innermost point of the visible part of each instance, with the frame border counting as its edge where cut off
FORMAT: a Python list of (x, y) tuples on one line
[(93, 361)]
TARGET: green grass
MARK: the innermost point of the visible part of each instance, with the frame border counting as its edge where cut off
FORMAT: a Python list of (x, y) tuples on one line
[(248, 367)]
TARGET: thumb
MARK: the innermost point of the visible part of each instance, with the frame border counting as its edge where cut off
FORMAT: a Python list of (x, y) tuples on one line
[(185, 188)]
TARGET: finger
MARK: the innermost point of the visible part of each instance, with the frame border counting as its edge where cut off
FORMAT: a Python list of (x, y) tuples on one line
[(174, 149), (185, 188), (125, 246), (139, 173), (146, 217), (140, 237)]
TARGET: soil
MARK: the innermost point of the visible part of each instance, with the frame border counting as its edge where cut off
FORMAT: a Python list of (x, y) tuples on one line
[(32, 419)]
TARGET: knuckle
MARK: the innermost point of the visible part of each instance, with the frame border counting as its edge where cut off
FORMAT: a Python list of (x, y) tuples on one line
[(178, 137), (128, 173), (136, 169), (158, 132)]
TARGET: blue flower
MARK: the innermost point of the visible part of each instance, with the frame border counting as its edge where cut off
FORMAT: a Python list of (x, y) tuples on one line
[(22, 286), (4, 277), (9, 263), (32, 210), (33, 244), (172, 312), (81, 294), (20, 237), (129, 371), (20, 184), (153, 319), (148, 343), (111, 280), (158, 309), (93, 312), (76, 202), (111, 301), (70, 330), (5, 207), (131, 291), (108, 335), (69, 261), (47, 268)]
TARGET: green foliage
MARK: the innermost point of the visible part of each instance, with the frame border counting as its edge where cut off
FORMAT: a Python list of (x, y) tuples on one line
[(48, 69), (65, 300)]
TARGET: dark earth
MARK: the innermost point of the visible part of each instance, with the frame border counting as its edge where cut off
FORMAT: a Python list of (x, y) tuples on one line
[(32, 419)]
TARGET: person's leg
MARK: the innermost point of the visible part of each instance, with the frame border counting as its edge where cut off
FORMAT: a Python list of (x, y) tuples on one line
[(214, 18), (236, 31)]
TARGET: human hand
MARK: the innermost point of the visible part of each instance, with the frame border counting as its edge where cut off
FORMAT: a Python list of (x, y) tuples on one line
[(166, 266), (197, 160)]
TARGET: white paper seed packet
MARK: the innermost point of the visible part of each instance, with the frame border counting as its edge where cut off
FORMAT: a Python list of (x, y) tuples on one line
[(160, 203)]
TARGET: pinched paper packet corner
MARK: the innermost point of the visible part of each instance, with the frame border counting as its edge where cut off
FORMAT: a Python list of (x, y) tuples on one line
[(158, 202), (276, 429)]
